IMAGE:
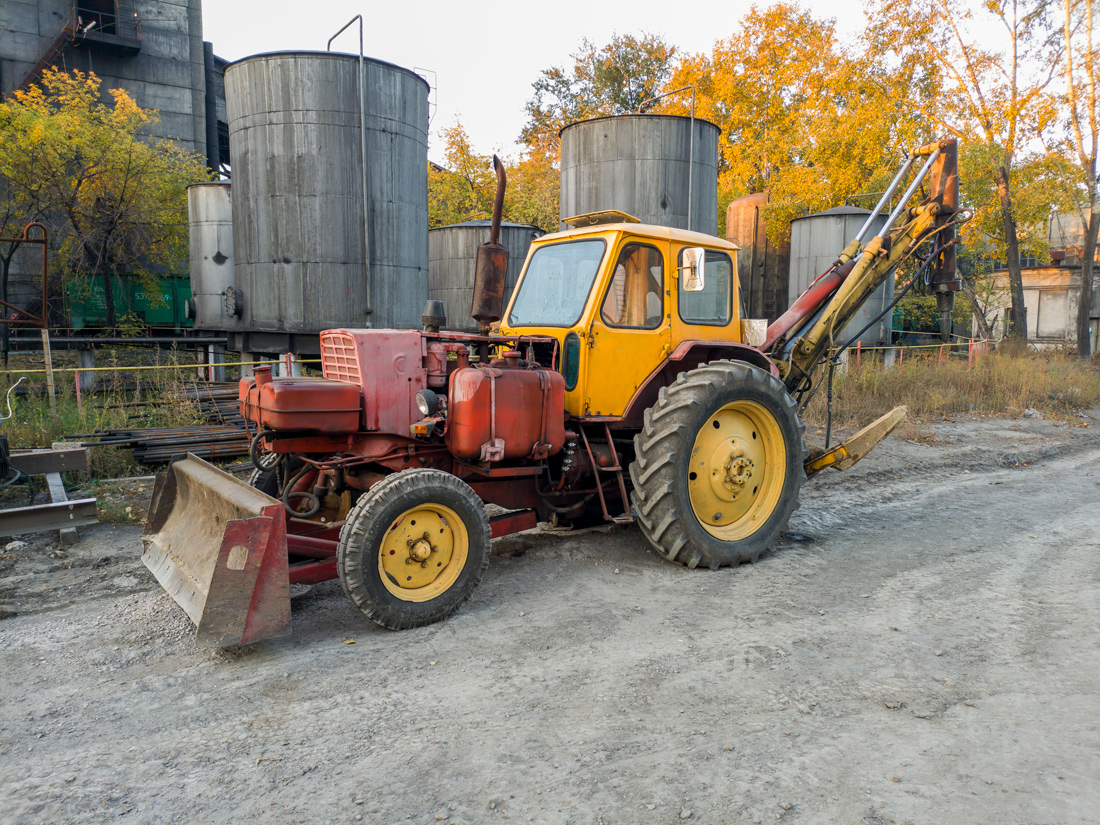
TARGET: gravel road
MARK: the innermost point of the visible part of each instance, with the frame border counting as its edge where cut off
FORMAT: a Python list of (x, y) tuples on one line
[(922, 648)]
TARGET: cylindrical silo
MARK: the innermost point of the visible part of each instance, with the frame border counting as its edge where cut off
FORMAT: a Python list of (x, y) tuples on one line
[(210, 222), (299, 236), (763, 268), (816, 241), (452, 254), (644, 165)]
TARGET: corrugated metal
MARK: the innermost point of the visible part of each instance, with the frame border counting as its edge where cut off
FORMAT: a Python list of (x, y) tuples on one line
[(297, 191), (816, 240), (762, 268), (639, 164), (452, 253), (210, 219)]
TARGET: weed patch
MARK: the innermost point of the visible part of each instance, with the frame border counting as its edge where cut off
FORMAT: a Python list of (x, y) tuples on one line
[(1001, 384)]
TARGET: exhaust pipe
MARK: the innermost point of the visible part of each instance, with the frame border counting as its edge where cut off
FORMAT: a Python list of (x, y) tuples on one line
[(491, 270)]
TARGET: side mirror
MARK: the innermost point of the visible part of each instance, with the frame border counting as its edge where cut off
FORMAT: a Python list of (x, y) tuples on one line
[(694, 259)]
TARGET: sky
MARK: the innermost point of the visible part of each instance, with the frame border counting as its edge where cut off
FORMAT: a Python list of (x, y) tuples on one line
[(481, 57)]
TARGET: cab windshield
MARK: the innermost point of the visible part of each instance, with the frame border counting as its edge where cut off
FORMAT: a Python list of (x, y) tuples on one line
[(556, 284)]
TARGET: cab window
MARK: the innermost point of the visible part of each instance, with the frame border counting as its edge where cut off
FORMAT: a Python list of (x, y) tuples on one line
[(635, 297), (554, 288), (711, 304)]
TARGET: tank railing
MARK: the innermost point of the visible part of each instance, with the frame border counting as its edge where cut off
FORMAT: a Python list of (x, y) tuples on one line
[(691, 140), (363, 146), (91, 21)]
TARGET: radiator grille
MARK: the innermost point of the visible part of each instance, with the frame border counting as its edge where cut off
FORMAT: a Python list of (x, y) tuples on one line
[(339, 358)]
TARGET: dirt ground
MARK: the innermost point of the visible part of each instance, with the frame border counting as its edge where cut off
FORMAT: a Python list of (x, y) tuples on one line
[(922, 648)]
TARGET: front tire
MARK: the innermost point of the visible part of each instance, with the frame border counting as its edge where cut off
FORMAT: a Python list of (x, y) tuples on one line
[(719, 466), (414, 548)]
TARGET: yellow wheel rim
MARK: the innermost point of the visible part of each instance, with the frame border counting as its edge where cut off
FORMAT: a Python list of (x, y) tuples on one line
[(423, 552), (737, 469)]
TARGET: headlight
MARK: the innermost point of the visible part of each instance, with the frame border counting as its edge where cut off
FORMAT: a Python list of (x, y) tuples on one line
[(427, 402)]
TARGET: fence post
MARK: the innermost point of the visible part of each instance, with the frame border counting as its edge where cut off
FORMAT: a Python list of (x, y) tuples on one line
[(48, 357), (889, 358)]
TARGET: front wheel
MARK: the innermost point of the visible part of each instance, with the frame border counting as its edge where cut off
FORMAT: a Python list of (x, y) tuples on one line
[(414, 548), (718, 465)]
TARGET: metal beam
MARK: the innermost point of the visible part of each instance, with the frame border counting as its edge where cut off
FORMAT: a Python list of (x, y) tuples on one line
[(37, 462), (43, 517)]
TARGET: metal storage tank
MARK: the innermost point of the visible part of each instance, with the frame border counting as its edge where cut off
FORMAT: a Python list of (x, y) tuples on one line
[(452, 254), (295, 140), (816, 240), (763, 269), (644, 165), (210, 221)]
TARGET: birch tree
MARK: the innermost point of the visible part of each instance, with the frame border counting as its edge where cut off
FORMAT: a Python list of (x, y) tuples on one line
[(1082, 65), (995, 63)]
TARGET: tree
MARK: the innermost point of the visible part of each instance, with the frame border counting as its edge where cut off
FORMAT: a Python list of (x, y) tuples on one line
[(612, 80), (993, 94), (462, 190), (465, 189), (1082, 69), (534, 188), (114, 199), (1039, 188), (803, 117)]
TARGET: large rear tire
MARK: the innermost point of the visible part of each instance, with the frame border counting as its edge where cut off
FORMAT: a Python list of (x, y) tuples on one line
[(719, 466), (414, 548)]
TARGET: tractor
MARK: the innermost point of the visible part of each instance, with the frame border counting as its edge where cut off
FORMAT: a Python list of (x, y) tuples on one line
[(620, 384)]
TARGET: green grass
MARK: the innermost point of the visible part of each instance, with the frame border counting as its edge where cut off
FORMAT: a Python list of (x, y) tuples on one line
[(121, 400)]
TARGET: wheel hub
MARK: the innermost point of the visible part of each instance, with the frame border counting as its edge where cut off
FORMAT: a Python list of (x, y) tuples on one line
[(731, 468), (419, 551)]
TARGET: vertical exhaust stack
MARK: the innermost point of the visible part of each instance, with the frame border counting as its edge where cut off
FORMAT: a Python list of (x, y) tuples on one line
[(945, 192), (491, 270)]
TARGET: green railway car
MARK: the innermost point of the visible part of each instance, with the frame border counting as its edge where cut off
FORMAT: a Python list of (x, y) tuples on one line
[(164, 307)]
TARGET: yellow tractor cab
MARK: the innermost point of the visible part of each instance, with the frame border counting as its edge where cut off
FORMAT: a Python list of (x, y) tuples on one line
[(629, 303)]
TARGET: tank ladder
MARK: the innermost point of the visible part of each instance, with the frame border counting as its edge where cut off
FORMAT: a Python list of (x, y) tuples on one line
[(625, 517)]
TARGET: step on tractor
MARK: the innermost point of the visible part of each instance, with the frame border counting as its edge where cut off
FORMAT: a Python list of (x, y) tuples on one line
[(620, 384)]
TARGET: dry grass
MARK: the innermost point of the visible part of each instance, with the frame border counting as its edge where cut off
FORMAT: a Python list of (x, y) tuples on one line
[(1002, 384)]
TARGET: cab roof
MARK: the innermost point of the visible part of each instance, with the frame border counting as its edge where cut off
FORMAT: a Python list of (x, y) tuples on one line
[(664, 233)]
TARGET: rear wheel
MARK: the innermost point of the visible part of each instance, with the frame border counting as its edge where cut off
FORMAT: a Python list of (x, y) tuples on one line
[(718, 466), (266, 481), (414, 548)]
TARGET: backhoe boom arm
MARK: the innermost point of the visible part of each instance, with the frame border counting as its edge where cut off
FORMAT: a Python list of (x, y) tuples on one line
[(802, 336)]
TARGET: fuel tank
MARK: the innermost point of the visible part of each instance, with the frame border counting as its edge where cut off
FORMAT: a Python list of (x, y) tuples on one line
[(501, 413), (315, 405)]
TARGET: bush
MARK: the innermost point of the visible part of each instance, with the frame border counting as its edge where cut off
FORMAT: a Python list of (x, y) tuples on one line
[(919, 313)]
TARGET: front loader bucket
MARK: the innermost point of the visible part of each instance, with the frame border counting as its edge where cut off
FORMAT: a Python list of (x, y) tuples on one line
[(218, 546)]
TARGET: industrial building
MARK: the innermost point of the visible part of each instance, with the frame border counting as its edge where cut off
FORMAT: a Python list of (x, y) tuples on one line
[(153, 49)]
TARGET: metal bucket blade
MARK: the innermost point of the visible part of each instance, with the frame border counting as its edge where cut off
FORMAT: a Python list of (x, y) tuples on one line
[(218, 546)]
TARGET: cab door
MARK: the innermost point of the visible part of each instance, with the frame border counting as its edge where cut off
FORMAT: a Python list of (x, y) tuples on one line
[(705, 299), (629, 333)]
